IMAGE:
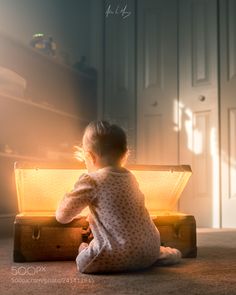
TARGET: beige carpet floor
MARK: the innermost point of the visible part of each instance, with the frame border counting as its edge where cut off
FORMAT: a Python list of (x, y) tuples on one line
[(213, 272)]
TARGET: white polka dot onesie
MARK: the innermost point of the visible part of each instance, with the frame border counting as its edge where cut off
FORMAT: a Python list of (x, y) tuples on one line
[(125, 238)]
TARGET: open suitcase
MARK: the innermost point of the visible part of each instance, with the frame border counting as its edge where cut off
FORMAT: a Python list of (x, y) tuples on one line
[(40, 187)]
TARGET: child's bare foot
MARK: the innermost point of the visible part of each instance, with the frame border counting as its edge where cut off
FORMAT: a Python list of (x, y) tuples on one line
[(168, 256)]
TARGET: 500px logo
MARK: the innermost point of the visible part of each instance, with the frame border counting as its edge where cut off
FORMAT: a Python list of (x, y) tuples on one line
[(29, 270)]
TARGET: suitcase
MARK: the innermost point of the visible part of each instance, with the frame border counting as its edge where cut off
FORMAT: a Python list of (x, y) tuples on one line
[(40, 187)]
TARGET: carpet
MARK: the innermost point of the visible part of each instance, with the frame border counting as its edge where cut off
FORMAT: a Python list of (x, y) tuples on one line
[(212, 272)]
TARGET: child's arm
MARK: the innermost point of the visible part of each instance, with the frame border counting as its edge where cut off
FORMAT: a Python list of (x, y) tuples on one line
[(75, 201)]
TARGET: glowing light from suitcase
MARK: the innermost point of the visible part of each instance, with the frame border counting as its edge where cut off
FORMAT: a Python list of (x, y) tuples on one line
[(162, 189), (40, 190)]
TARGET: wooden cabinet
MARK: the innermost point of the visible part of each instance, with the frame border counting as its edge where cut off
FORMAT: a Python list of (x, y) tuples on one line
[(46, 120)]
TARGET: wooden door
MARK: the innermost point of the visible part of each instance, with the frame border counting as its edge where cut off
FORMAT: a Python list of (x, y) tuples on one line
[(119, 69), (228, 111), (157, 117), (198, 108)]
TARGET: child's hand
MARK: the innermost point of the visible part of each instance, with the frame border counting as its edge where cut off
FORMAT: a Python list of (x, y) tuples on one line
[(79, 153), (87, 235), (90, 237)]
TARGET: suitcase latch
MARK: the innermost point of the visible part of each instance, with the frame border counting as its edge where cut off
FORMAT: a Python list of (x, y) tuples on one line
[(35, 232)]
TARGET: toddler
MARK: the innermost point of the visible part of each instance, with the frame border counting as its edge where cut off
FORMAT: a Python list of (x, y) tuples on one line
[(125, 238)]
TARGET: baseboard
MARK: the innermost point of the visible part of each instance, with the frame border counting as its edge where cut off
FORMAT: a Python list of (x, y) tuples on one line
[(6, 225)]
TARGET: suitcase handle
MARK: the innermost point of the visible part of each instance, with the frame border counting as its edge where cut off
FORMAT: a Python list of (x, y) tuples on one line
[(36, 232)]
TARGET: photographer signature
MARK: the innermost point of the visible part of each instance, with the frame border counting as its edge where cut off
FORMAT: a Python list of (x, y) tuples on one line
[(119, 10)]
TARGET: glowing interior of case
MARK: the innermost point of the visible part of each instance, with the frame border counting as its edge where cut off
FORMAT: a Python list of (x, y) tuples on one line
[(39, 191)]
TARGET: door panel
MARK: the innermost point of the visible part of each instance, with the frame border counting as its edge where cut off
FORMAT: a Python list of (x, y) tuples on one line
[(119, 77), (202, 155), (157, 120), (228, 111), (198, 108)]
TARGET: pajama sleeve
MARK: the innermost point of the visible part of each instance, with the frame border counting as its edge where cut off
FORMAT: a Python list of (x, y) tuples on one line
[(75, 201)]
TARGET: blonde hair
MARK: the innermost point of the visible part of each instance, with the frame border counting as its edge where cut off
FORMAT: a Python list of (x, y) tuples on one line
[(106, 140)]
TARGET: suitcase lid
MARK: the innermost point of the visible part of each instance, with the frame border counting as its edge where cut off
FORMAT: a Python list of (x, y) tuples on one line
[(41, 186)]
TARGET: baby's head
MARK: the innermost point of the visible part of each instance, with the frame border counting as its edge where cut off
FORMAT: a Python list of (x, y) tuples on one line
[(104, 144)]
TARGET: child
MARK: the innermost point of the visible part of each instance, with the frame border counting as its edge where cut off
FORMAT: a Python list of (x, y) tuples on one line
[(125, 238)]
